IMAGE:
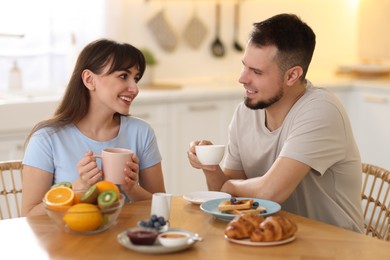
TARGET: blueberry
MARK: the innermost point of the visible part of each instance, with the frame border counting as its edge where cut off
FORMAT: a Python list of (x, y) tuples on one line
[(153, 218), (143, 223), (150, 224), (255, 205), (233, 200), (162, 221), (263, 212), (156, 225)]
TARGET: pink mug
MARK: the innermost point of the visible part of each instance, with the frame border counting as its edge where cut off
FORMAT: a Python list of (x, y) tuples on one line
[(114, 162)]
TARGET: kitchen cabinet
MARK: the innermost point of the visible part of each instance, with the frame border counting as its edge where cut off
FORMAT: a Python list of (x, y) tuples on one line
[(368, 107), (157, 116), (11, 147), (17, 120), (207, 120), (372, 129)]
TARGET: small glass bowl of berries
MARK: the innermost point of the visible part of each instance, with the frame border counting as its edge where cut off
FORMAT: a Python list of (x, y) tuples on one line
[(155, 222)]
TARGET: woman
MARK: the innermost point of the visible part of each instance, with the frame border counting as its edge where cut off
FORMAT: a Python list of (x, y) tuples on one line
[(93, 116)]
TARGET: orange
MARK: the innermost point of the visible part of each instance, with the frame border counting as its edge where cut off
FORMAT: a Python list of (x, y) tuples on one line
[(77, 197), (107, 185), (83, 217), (58, 197)]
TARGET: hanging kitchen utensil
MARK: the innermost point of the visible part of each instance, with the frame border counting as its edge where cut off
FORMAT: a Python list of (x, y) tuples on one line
[(236, 45), (217, 48), (163, 31), (195, 31)]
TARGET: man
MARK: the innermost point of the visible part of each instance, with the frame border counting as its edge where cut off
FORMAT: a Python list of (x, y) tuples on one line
[(289, 142)]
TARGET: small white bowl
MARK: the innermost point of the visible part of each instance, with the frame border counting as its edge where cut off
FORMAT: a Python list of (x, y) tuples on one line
[(173, 238), (210, 154)]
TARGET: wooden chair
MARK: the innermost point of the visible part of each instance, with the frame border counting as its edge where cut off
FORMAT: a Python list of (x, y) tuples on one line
[(10, 189), (376, 201)]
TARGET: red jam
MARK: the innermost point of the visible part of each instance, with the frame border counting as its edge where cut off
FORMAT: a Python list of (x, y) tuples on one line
[(142, 237)]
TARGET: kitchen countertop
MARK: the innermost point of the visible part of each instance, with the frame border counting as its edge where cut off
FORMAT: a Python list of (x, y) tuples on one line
[(205, 91)]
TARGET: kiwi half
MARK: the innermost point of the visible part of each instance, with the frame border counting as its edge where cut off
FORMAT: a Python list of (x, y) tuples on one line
[(107, 198), (63, 183), (91, 195)]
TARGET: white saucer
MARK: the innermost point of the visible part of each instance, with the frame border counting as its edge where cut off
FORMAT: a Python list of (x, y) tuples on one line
[(157, 248), (198, 197)]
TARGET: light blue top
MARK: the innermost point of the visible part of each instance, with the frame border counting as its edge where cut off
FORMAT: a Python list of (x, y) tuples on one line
[(58, 152)]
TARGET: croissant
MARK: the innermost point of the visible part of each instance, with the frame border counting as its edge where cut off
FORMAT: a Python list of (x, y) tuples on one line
[(243, 225), (274, 228)]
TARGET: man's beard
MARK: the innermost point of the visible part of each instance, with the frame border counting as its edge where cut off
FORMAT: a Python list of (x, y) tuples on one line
[(265, 103)]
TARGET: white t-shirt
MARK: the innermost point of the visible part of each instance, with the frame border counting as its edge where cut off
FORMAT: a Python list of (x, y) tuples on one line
[(317, 132), (58, 152)]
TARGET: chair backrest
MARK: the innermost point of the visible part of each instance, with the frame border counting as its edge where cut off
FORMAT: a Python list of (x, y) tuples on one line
[(376, 201), (10, 189)]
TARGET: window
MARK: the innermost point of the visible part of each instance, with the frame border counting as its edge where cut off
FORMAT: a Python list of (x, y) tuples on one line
[(53, 32)]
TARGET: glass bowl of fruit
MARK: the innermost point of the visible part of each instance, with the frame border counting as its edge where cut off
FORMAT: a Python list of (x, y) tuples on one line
[(84, 212)]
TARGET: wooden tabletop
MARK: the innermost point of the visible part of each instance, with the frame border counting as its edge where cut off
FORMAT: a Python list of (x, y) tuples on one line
[(38, 238)]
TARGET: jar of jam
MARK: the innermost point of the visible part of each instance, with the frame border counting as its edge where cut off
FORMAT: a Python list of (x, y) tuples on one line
[(140, 236)]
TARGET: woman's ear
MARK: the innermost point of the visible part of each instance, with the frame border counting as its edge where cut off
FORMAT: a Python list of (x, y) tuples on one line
[(293, 74), (88, 79)]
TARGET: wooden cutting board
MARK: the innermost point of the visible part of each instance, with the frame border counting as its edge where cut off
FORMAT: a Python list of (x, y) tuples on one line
[(161, 87)]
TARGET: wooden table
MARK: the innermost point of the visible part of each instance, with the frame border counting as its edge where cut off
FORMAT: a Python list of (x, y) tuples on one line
[(38, 238)]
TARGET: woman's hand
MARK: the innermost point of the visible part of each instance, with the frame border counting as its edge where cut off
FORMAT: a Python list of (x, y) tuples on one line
[(89, 173), (194, 159), (131, 173)]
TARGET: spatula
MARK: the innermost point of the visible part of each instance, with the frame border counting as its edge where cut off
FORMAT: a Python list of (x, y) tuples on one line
[(217, 48)]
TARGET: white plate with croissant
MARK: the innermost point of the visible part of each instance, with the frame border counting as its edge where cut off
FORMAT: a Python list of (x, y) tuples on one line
[(254, 230), (227, 209), (248, 242)]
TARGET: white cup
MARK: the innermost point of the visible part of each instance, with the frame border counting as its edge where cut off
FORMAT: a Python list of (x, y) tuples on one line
[(210, 154), (161, 205), (114, 162)]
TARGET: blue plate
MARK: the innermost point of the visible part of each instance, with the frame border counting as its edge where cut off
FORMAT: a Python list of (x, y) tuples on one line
[(211, 207)]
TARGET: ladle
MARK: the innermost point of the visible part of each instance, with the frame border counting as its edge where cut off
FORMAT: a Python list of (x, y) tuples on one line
[(217, 47), (237, 46)]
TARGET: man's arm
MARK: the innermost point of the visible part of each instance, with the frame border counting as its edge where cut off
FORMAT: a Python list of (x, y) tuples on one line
[(217, 178), (276, 185)]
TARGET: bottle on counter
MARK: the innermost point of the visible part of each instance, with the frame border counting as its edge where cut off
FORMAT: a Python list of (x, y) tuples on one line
[(15, 78), (71, 55)]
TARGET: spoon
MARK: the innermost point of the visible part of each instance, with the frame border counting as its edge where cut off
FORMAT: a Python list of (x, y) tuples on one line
[(195, 238), (217, 47), (237, 46)]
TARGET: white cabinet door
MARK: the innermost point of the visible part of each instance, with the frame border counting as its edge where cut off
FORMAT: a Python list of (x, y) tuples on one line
[(372, 130), (157, 116), (12, 147), (207, 120)]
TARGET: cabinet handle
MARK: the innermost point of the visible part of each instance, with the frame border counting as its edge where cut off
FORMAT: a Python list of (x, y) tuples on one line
[(375, 99), (202, 107)]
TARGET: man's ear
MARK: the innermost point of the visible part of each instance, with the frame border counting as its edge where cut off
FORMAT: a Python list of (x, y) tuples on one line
[(293, 75), (88, 79)]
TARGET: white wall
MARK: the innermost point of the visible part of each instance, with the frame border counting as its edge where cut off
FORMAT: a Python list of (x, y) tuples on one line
[(373, 37), (334, 22)]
